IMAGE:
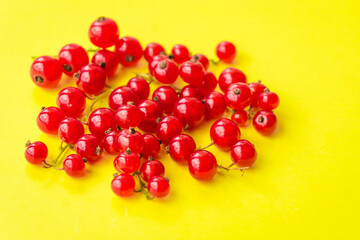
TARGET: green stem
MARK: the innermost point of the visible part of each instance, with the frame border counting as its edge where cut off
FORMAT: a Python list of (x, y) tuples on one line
[(95, 100), (209, 145), (146, 76), (92, 49), (215, 62), (142, 186), (55, 161)]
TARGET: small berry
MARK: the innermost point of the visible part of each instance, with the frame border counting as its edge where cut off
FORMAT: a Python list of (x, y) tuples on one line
[(71, 101), (201, 58), (152, 112), (110, 143), (190, 91), (70, 130), (167, 128), (154, 62), (190, 111), (46, 72), (36, 152), (256, 89), (208, 83), (151, 147), (166, 71), (140, 87), (158, 187), (192, 73), (107, 60), (122, 95), (128, 115), (229, 76), (268, 101), (181, 147), (74, 165), (152, 50), (238, 96), (73, 57), (127, 162), (265, 122), (130, 139), (91, 79), (89, 147), (152, 168), (166, 97), (180, 53), (214, 104), (104, 32), (241, 118), (101, 121), (129, 51), (202, 165), (226, 51), (123, 185), (224, 133), (49, 119), (243, 153)]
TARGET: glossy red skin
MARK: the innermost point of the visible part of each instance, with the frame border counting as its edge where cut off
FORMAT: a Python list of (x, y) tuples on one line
[(243, 153), (36, 153), (214, 104), (128, 115), (110, 143), (101, 121), (74, 165), (86, 147), (229, 76), (49, 119), (266, 126), (226, 51), (92, 79), (268, 101), (72, 101), (134, 141), (152, 168), (256, 89), (158, 187), (49, 69), (167, 74), (180, 53), (153, 49), (107, 60), (104, 32), (122, 95), (140, 87), (208, 83), (73, 55), (181, 147), (151, 147), (167, 128), (238, 101), (202, 165), (127, 162), (70, 130), (166, 97), (128, 46), (241, 118), (152, 112), (123, 185), (190, 111), (191, 91), (224, 133), (154, 62), (192, 73), (201, 58)]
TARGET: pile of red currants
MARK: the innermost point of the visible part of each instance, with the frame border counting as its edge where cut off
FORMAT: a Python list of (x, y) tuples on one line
[(134, 127)]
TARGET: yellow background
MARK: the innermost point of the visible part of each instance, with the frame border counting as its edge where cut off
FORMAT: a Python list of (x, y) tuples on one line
[(306, 181)]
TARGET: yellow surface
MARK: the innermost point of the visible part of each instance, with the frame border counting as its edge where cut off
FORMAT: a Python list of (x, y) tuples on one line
[(305, 184)]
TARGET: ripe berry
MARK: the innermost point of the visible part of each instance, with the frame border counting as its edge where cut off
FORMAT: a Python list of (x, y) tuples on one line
[(130, 139), (166, 97), (166, 71), (208, 83), (265, 122), (46, 72), (103, 32), (140, 87), (192, 73), (107, 60), (89, 147), (167, 128), (73, 57), (181, 147), (151, 147), (127, 162), (238, 96), (158, 187), (224, 133), (91, 79), (152, 50), (123, 185), (240, 117), (71, 101), (152, 168), (152, 112), (49, 119), (36, 152), (201, 59), (256, 89), (190, 111), (74, 165), (202, 165), (101, 121), (129, 51), (229, 76), (214, 104), (268, 101), (155, 61), (110, 143), (180, 53), (190, 91), (128, 115), (70, 130), (226, 51), (122, 95), (243, 153)]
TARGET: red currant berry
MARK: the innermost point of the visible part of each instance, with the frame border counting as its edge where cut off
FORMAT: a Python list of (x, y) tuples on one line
[(238, 96), (46, 72), (190, 111), (166, 97), (181, 147), (150, 169), (91, 79), (151, 147), (256, 89), (110, 143), (224, 133), (128, 115), (268, 101), (89, 147), (154, 62), (73, 57), (192, 73), (123, 185), (202, 165), (152, 50), (265, 122), (130, 139), (49, 119), (229, 76), (201, 59), (190, 91), (243, 153), (180, 53), (122, 95), (140, 87), (107, 60), (152, 112), (71, 101), (70, 130), (36, 153), (226, 51), (167, 128), (129, 51), (104, 32), (241, 118), (127, 162), (208, 83), (158, 187), (166, 71), (214, 104), (74, 165), (101, 121)]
